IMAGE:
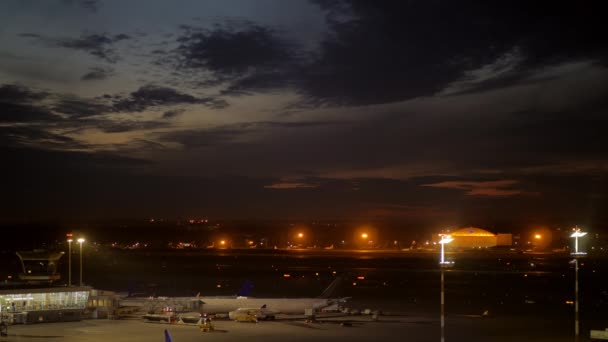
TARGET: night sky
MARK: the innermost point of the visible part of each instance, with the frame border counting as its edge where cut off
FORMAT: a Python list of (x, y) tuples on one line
[(428, 112)]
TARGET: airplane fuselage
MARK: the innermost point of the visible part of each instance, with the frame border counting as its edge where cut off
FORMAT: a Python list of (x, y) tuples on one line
[(283, 305), (227, 304)]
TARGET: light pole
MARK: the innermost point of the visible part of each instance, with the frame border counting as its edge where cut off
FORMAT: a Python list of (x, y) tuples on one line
[(70, 262), (442, 265), (576, 234), (80, 241)]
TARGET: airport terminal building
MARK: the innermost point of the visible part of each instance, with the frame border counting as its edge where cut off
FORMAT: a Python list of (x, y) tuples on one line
[(35, 298), (34, 305)]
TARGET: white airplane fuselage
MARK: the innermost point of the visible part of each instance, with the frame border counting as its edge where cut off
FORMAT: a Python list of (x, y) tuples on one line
[(283, 305), (226, 304)]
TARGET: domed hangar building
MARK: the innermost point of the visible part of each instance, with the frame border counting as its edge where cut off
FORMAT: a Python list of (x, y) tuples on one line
[(473, 237)]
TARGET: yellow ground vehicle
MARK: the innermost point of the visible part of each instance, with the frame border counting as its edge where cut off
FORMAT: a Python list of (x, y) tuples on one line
[(247, 316)]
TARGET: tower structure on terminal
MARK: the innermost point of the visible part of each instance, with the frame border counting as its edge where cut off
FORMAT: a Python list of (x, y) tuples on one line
[(39, 266)]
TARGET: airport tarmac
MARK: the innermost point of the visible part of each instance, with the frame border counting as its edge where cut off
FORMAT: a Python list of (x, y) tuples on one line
[(529, 298), (358, 328)]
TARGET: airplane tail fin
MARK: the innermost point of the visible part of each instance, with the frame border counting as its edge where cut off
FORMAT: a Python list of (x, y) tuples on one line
[(246, 289), (168, 336), (332, 288), (263, 306)]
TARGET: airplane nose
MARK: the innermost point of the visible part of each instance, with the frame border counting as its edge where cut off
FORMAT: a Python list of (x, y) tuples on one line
[(231, 315)]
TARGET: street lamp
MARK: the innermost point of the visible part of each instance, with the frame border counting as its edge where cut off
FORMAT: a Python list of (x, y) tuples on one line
[(70, 262), (444, 239), (80, 241), (364, 235), (576, 234), (300, 235), (443, 264)]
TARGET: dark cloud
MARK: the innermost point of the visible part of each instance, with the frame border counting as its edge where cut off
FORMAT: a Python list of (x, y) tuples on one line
[(172, 113), (379, 52), (120, 36), (17, 93), (97, 73), (246, 56), (22, 113), (120, 126), (233, 50), (517, 78), (17, 105), (78, 108), (22, 105), (494, 188), (95, 44), (148, 96), (395, 50), (98, 45), (264, 81), (35, 137)]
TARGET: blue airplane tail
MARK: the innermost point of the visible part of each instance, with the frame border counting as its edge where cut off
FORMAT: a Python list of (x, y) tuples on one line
[(168, 336), (246, 289)]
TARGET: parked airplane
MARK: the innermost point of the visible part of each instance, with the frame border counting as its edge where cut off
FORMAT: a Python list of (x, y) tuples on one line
[(226, 304), (271, 305)]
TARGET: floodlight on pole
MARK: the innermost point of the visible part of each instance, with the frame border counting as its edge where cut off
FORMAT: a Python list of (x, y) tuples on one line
[(444, 239), (70, 262), (576, 234), (443, 264), (80, 241)]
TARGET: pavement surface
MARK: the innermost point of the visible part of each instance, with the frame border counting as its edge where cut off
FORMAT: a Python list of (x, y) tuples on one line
[(331, 327)]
